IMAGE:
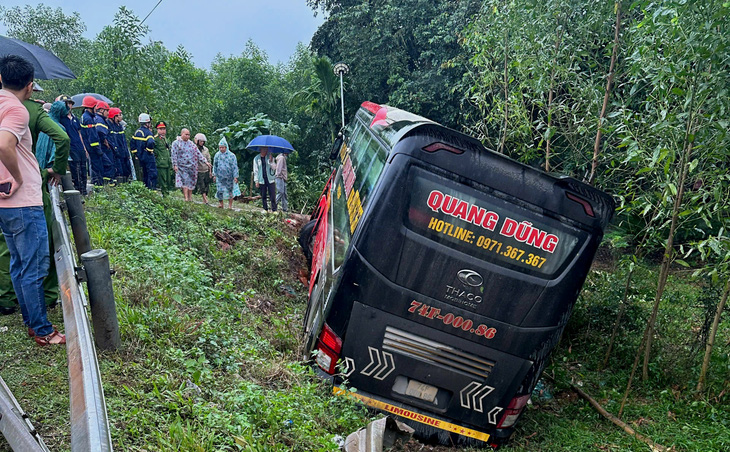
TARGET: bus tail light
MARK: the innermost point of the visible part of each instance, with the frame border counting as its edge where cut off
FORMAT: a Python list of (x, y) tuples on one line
[(587, 208), (513, 411), (329, 346)]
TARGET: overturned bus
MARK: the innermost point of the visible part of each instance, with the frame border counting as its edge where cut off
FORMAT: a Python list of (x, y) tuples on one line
[(442, 274)]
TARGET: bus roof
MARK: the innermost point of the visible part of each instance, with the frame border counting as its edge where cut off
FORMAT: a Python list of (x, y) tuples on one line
[(390, 124)]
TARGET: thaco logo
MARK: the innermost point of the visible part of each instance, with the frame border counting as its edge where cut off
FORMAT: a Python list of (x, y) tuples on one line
[(470, 278), (467, 289)]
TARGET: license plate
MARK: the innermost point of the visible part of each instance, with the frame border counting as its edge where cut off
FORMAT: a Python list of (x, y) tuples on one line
[(421, 391)]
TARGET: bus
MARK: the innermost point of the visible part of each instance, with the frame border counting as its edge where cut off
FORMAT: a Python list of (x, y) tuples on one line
[(442, 274)]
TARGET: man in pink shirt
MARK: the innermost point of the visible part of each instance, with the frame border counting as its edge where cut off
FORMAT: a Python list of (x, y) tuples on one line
[(21, 203)]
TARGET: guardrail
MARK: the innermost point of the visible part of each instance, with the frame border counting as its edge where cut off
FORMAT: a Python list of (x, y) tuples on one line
[(89, 422), (15, 425)]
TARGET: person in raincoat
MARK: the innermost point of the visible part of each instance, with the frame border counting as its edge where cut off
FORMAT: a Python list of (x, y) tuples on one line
[(225, 174), (45, 149), (202, 185), (185, 159)]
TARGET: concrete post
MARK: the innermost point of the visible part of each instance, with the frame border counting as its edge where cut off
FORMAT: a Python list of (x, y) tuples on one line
[(101, 298), (76, 215)]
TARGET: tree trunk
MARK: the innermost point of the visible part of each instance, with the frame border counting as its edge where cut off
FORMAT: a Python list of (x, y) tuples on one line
[(645, 345), (550, 100), (668, 250), (609, 84), (506, 92), (711, 338), (654, 446), (620, 315)]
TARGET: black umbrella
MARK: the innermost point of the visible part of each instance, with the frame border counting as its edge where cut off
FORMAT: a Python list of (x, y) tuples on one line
[(78, 98), (47, 65)]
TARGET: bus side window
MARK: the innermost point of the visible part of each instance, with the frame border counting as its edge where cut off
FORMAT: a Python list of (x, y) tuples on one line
[(368, 171)]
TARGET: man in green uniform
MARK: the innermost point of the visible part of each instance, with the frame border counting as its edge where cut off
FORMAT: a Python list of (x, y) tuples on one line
[(162, 158), (39, 122)]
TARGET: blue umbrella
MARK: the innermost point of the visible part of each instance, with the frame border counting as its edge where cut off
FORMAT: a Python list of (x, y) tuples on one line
[(46, 65), (276, 144)]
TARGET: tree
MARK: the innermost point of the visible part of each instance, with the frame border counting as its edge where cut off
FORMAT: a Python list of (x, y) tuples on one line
[(247, 84), (405, 53), (46, 27), (54, 31), (321, 98)]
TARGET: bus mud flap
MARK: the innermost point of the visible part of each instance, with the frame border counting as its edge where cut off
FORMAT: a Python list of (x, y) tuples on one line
[(379, 435)]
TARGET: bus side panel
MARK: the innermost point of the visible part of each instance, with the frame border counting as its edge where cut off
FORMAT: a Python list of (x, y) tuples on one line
[(320, 242)]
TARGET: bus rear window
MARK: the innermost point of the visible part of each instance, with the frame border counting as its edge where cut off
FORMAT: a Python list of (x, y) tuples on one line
[(488, 227)]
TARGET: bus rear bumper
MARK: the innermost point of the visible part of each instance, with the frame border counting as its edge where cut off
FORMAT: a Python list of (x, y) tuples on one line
[(411, 414)]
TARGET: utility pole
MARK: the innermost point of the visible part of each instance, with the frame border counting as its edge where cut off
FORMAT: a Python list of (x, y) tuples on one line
[(342, 69)]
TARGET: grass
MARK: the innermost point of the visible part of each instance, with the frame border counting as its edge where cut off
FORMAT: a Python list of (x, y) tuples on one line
[(209, 308)]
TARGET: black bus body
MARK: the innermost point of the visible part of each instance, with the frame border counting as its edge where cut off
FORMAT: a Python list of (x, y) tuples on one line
[(443, 274)]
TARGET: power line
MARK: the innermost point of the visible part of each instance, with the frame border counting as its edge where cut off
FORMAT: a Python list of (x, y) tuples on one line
[(148, 15)]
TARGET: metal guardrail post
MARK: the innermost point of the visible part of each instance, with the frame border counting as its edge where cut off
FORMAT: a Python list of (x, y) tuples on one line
[(89, 422), (78, 221), (101, 296), (67, 182), (15, 426)]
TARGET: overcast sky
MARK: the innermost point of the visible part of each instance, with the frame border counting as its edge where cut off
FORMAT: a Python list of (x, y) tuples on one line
[(206, 28)]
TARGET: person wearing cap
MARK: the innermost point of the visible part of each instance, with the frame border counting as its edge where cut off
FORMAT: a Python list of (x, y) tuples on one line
[(77, 155), (162, 159), (90, 137), (102, 127), (202, 185), (122, 159), (185, 159), (144, 144)]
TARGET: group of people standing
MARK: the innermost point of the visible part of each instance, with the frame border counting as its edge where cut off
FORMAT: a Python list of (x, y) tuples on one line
[(189, 161), (152, 158), (37, 147)]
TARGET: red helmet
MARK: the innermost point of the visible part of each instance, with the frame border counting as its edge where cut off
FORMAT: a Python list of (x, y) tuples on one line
[(89, 102), (114, 111), (101, 105)]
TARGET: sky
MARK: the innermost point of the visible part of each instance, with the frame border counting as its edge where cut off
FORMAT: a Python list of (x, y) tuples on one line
[(205, 28)]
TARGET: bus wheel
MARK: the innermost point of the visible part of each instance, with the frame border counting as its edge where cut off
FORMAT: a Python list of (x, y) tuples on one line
[(306, 240)]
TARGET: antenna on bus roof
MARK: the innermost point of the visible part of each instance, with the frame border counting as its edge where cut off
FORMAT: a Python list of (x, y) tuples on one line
[(342, 69)]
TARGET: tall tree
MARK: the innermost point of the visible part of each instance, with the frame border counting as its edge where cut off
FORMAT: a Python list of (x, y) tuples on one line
[(321, 98), (405, 52)]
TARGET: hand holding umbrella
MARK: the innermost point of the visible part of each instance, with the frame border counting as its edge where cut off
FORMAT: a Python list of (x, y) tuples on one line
[(274, 143)]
